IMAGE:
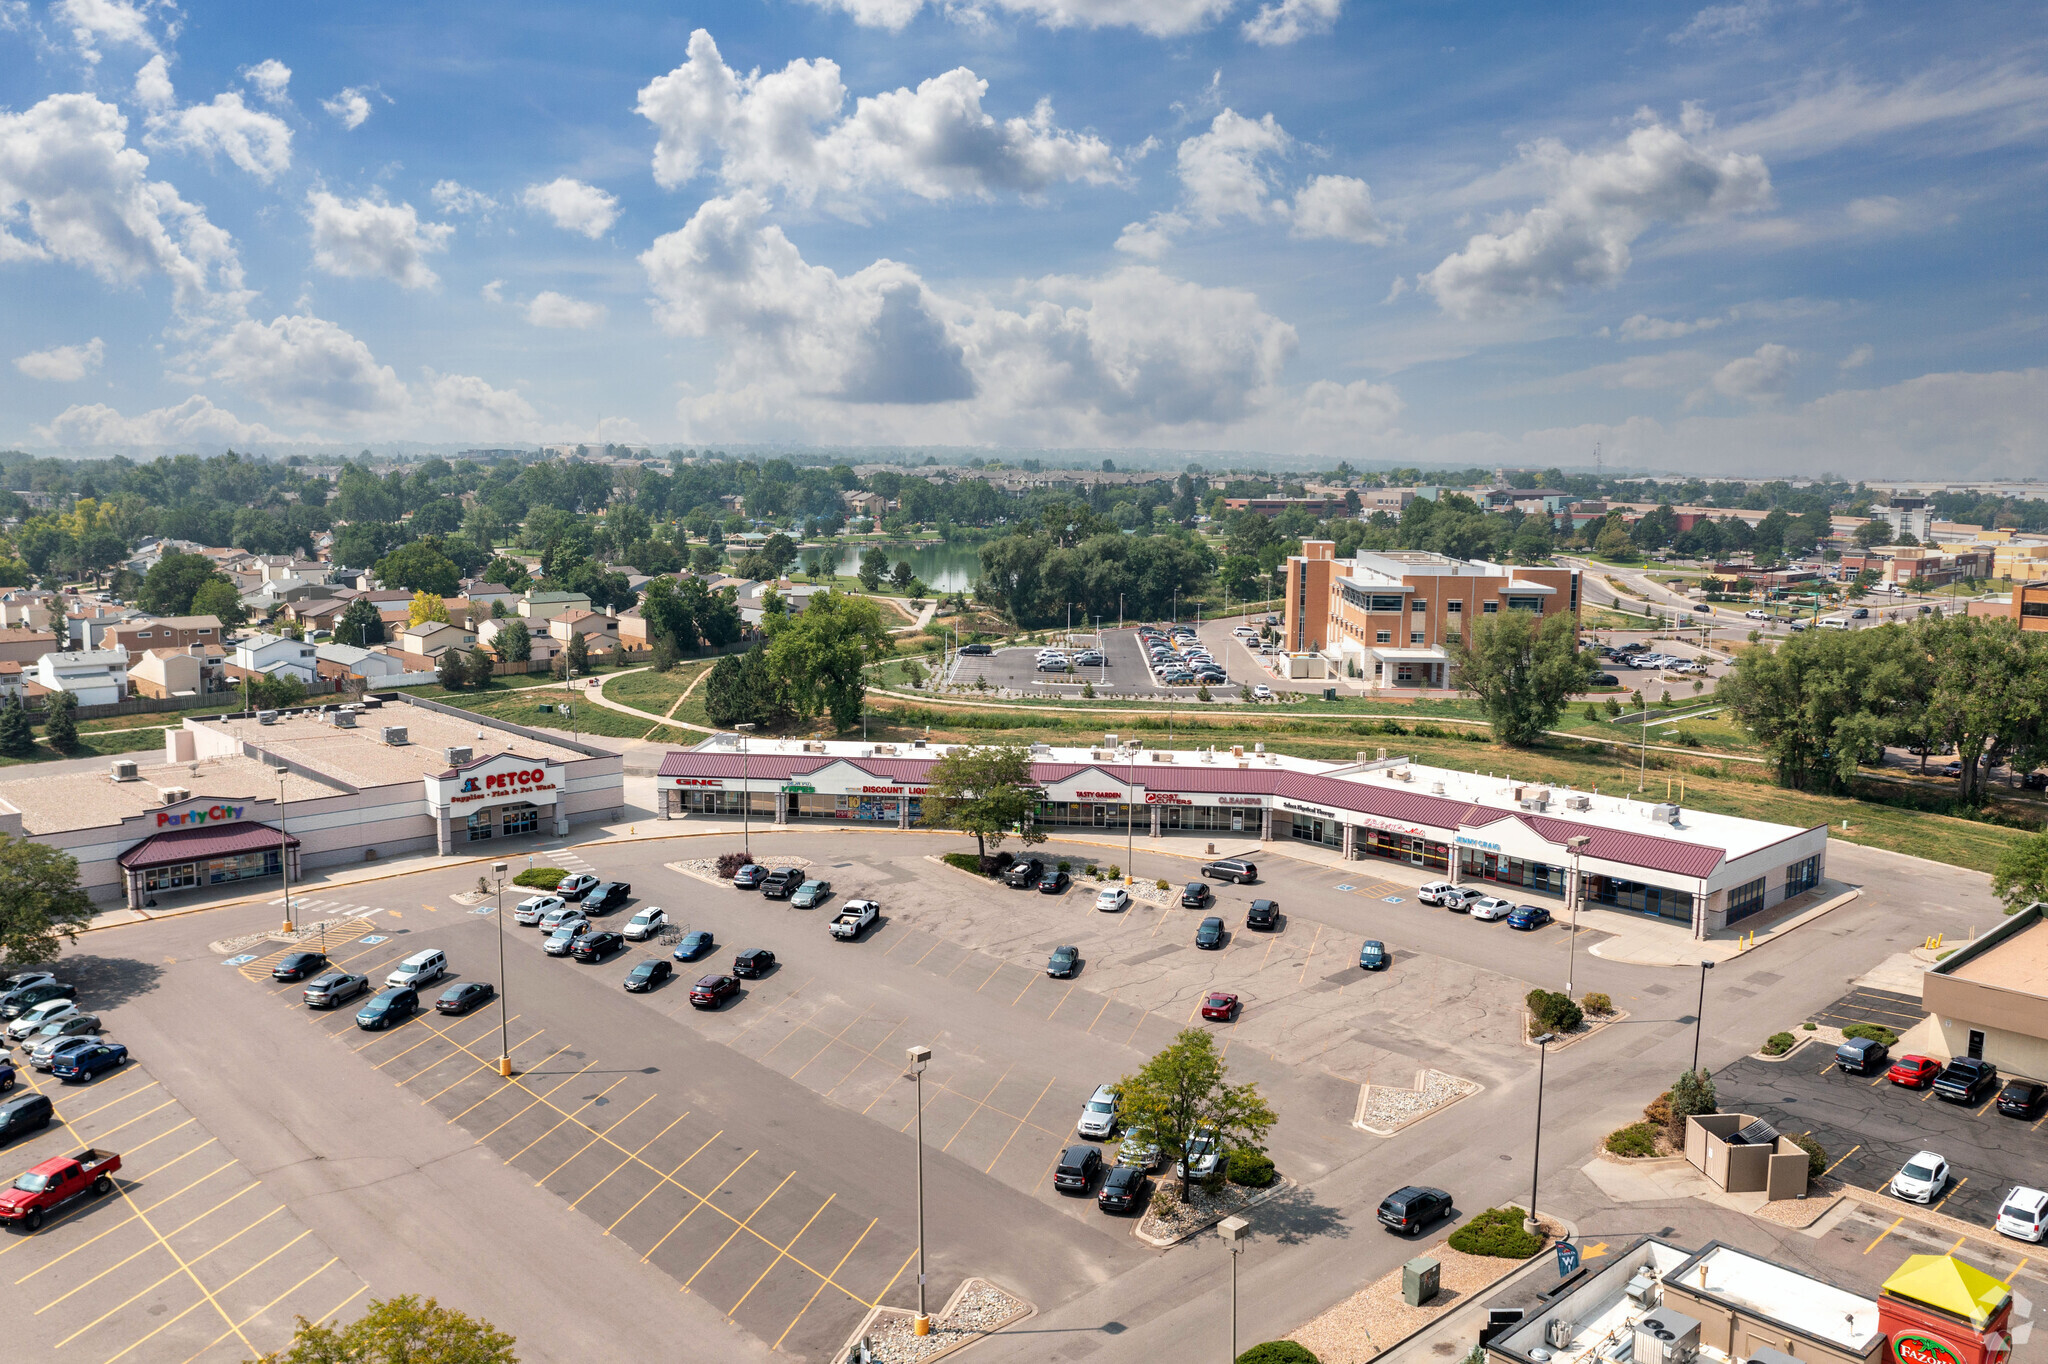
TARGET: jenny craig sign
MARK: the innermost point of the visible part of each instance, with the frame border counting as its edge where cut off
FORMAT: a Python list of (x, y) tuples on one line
[(210, 814)]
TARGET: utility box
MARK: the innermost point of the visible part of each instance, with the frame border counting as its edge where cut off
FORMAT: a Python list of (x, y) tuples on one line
[(1329, 693), (1420, 1278)]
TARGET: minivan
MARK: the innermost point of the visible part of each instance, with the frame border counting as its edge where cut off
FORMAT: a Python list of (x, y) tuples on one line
[(1231, 869), (421, 968), (1862, 1056)]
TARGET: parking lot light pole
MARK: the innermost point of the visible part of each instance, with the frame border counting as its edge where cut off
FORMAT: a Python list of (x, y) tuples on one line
[(1536, 1160), (1699, 1021), (746, 794), (504, 1023), (1576, 844), (919, 1056), (1130, 814), (1233, 1231)]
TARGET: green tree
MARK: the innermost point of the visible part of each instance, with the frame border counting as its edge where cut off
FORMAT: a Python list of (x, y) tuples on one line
[(1822, 701), (217, 597), (508, 572), (1523, 668), (704, 559), (400, 1330), (40, 900), (2021, 875), (454, 670), (1185, 1091), (1692, 1093), (780, 551), (17, 735), (172, 582), (1989, 695), (874, 565), (1281, 1351), (481, 669), (986, 790), (819, 658), (578, 652), (276, 691), (741, 689), (903, 574), (1614, 542), (419, 567), (361, 624), (60, 731), (515, 642)]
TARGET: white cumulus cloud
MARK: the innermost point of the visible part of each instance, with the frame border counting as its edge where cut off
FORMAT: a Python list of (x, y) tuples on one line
[(550, 309), (1290, 20), (1340, 208), (786, 132), (196, 421), (370, 236), (350, 107), (1757, 378), (1227, 172), (1161, 18), (452, 196), (63, 364), (270, 78), (93, 22), (1598, 204), (573, 205), (153, 89), (1643, 327), (258, 142), (1858, 358)]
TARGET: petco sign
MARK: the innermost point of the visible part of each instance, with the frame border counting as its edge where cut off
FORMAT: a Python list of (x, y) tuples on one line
[(501, 780), (210, 814)]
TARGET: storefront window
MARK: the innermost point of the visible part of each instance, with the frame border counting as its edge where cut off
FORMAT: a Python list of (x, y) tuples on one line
[(243, 867), (1644, 899), (521, 819), (171, 878), (1327, 832), (480, 826), (1802, 876), (1415, 852), (1746, 900)]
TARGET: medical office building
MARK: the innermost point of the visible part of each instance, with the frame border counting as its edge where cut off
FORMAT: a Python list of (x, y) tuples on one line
[(1692, 867)]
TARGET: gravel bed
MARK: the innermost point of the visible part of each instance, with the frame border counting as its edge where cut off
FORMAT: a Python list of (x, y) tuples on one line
[(707, 867), (982, 1308), (307, 932), (1201, 1208), (1382, 1108)]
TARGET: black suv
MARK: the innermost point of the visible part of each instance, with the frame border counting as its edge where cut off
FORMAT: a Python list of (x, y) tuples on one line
[(15, 1003), (753, 964), (1024, 874), (1965, 1080), (28, 1113), (781, 883), (1197, 895), (1123, 1190), (1262, 914), (2021, 1098), (1231, 869), (1411, 1209), (608, 896), (1077, 1169)]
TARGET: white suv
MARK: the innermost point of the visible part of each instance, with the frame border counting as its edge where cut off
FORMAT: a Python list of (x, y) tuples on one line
[(1098, 1115), (2024, 1215), (1433, 892)]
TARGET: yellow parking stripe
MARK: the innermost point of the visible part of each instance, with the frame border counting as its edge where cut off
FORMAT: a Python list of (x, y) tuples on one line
[(233, 1326), (1881, 1235), (628, 1160), (825, 1280), (126, 1220), (565, 1119), (659, 1182), (275, 1301), (736, 1231), (703, 1200), (780, 1253)]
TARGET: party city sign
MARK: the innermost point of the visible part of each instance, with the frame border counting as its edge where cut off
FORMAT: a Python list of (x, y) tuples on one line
[(210, 814)]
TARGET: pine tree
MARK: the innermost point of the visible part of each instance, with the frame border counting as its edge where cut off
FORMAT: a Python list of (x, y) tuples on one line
[(579, 653), (454, 672), (17, 737), (61, 730)]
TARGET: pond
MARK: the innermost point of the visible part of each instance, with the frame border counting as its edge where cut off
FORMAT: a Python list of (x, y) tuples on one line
[(944, 568)]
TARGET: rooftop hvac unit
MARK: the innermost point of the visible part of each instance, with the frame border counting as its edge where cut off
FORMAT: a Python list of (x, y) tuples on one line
[(171, 795), (395, 736), (1402, 774), (125, 770), (1664, 813), (1161, 756), (1109, 741), (1578, 802), (917, 743), (885, 750), (457, 754), (1558, 1332), (1259, 747), (1642, 1288), (1764, 1354), (1543, 795), (266, 717), (345, 718), (1237, 750), (1436, 788), (1667, 1337)]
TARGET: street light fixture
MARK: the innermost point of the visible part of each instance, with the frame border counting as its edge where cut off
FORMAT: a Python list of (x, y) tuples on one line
[(284, 853), (1233, 1231), (746, 793), (1576, 845), (1536, 1161), (1699, 1020), (919, 1057), (504, 1022)]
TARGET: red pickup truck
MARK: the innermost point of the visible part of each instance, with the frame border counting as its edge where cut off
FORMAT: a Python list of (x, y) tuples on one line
[(55, 1182)]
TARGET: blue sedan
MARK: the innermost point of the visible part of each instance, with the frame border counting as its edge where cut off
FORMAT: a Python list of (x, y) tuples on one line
[(79, 1066), (1374, 955), (1526, 917), (693, 946)]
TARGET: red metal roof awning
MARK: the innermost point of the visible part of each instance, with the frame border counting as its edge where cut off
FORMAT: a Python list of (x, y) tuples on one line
[(189, 845)]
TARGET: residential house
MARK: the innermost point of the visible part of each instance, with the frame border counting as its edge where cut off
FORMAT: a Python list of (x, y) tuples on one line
[(274, 567), (538, 606), (599, 631), (27, 608), (633, 630), (432, 638), (97, 677), (483, 596), (317, 612), (190, 671), (271, 654), (871, 505), (1272, 506), (541, 645), (338, 662), (162, 632), (12, 677), (26, 646)]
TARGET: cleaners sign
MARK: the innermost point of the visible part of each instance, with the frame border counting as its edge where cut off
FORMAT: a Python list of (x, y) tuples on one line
[(212, 814)]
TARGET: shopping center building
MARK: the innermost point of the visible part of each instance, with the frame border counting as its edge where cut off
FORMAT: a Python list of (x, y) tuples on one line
[(1706, 870), (237, 798)]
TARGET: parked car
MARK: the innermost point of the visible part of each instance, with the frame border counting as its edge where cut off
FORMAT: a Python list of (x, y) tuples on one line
[(1053, 882), (1434, 892), (388, 1008), (563, 941), (1113, 900), (71, 1025), (46, 1054), (694, 945), (1098, 1115), (556, 919), (423, 967), (1965, 1080), (1921, 1178), (1209, 934), (1196, 895), (297, 966), (753, 963), (1233, 869), (648, 974), (533, 909), (1204, 1155), (749, 877), (2022, 1098), (1262, 692), (608, 896), (811, 894), (334, 988), (1526, 917), (1862, 1055), (1373, 956), (23, 979), (781, 883), (7, 1075), (57, 1181), (1063, 962), (976, 650), (1409, 1210), (577, 886), (1077, 1168), (27, 1113), (1140, 1148), (32, 1021), (1262, 914), (1459, 899), (1490, 908), (2024, 1215), (1123, 1189), (2035, 781), (1219, 1006), (711, 991), (23, 998), (1023, 873), (597, 946), (1952, 770), (1914, 1072), (646, 924), (465, 995)]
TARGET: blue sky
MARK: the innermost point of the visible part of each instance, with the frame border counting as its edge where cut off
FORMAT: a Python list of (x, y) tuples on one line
[(1759, 237)]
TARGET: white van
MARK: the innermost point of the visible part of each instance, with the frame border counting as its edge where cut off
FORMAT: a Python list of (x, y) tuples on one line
[(1834, 623), (421, 968)]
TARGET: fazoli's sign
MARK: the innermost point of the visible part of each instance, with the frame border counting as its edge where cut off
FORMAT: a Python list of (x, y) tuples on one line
[(211, 814), (1913, 1348)]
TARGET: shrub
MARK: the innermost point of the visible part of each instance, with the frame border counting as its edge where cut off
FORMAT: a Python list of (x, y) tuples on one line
[(543, 878), (1597, 1003), (1278, 1352), (1165, 1198), (1635, 1141), (1778, 1043), (1115, 872), (1872, 1032), (1160, 884), (1497, 1232), (1090, 869), (1552, 1011), (1066, 866), (1809, 1027), (729, 864), (1692, 1092), (1202, 692), (1658, 1111), (965, 861), (1253, 1169)]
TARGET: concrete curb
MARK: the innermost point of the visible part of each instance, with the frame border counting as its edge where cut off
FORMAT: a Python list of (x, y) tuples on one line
[(1421, 1081), (1281, 1183), (1927, 1217), (875, 1314)]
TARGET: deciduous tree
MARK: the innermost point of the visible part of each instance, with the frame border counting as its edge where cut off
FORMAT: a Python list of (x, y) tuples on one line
[(172, 582), (217, 597), (2021, 875), (1523, 668), (987, 790), (819, 658), (426, 606), (402, 1330), (40, 901), (1185, 1092), (361, 624)]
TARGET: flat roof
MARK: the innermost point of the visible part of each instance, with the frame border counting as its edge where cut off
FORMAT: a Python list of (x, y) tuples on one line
[(1806, 1304), (88, 800), (360, 756), (2018, 963)]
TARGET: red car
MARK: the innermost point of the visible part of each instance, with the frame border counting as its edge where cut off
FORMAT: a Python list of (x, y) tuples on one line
[(1914, 1072), (712, 991), (1220, 1006)]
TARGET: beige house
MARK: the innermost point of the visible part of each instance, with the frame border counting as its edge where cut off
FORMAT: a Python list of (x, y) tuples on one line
[(190, 671), (162, 632), (542, 606), (598, 630), (26, 646), (541, 646), (431, 639), (484, 595), (633, 630)]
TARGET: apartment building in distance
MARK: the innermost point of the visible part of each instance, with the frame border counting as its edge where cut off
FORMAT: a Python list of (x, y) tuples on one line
[(2030, 605), (1389, 617)]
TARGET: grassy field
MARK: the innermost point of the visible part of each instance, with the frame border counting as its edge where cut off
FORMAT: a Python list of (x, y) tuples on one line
[(655, 692), (522, 706)]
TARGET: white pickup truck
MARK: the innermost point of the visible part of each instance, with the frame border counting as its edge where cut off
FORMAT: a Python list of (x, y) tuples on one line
[(853, 919)]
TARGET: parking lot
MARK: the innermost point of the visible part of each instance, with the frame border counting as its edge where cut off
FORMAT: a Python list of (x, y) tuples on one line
[(1123, 672)]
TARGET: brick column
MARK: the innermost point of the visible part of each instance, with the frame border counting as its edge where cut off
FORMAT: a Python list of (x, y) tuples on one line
[(903, 812), (1265, 826), (1350, 841), (782, 807), (1155, 821)]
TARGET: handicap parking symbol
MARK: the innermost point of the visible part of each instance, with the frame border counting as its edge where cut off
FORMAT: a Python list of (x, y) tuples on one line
[(373, 938), (1347, 886), (245, 958), (1392, 899), (484, 909)]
